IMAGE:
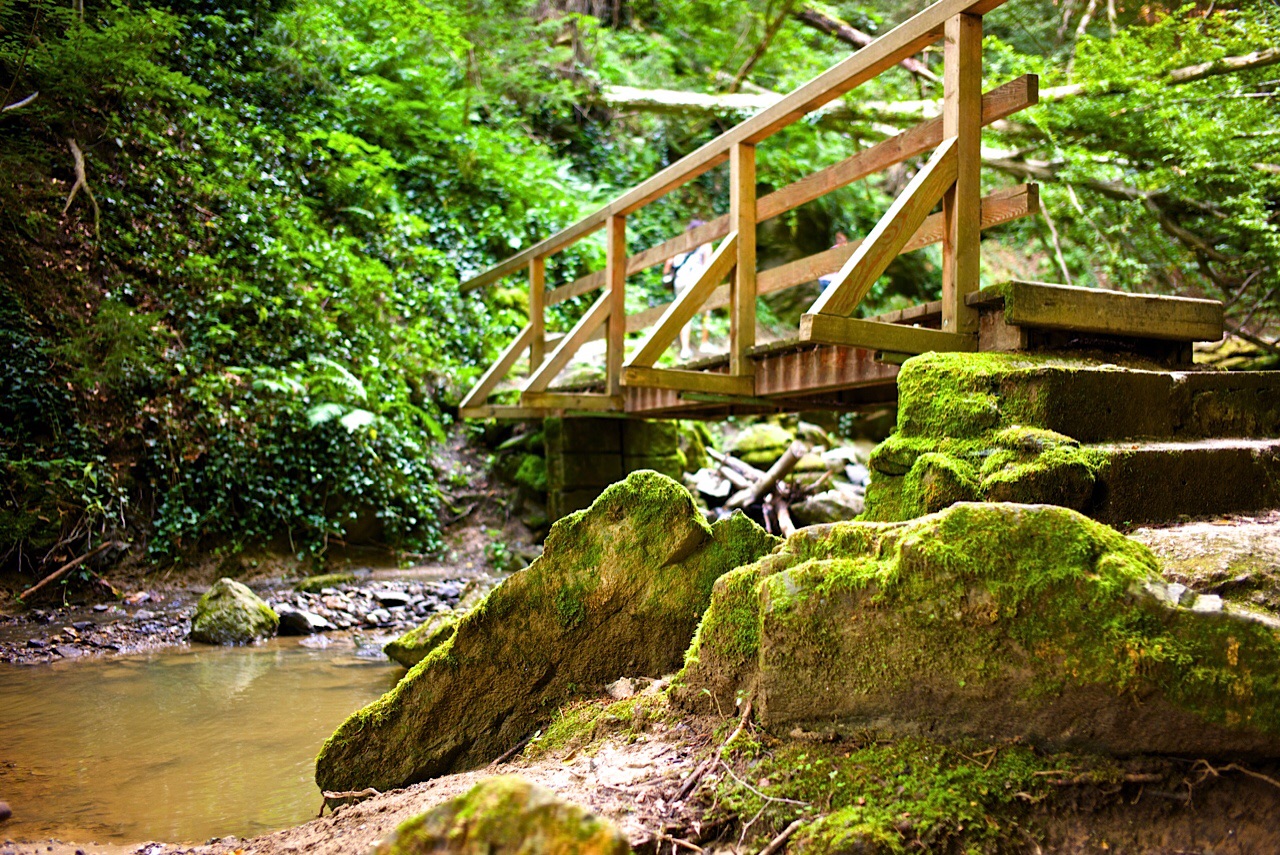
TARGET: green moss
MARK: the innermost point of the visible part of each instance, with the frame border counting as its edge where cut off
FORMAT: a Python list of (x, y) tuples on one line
[(586, 724), (970, 426), (314, 584), (532, 474), (506, 813), (412, 647), (905, 796), (1037, 597), (761, 444)]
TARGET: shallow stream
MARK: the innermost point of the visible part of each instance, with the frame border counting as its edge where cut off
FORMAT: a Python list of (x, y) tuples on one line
[(182, 744)]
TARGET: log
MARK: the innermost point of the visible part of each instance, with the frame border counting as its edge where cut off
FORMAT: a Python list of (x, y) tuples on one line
[(70, 565), (776, 473), (851, 36)]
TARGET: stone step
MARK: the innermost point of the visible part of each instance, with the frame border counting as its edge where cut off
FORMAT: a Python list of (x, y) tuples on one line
[(1095, 402), (1163, 480)]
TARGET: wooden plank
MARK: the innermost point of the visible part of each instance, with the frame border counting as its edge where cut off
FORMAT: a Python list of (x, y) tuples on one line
[(909, 37), (499, 368), (616, 272), (682, 310), (584, 401), (689, 381), (1000, 207), (537, 313), (886, 240), (1093, 310), (742, 290), (997, 104), (568, 346), (962, 205), (497, 411), (873, 335)]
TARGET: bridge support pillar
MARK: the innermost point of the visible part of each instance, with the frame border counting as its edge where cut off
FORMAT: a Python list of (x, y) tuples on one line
[(585, 455)]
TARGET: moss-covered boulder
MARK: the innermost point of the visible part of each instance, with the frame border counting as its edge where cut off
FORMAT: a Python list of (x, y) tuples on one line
[(412, 647), (995, 621), (761, 444), (617, 591), (229, 613), (506, 815)]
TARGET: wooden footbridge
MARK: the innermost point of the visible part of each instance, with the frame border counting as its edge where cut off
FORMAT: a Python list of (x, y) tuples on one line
[(835, 361)]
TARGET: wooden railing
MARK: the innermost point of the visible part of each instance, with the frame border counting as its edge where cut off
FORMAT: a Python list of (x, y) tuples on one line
[(950, 175)]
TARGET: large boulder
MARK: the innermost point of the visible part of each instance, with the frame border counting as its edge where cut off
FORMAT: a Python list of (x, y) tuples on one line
[(994, 621), (506, 815), (229, 613), (617, 592)]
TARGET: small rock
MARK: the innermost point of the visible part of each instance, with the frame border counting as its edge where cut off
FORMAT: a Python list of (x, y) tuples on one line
[(101, 607), (621, 689), (392, 599), (302, 623), (82, 625), (378, 617), (37, 643), (5, 811), (66, 651), (142, 614)]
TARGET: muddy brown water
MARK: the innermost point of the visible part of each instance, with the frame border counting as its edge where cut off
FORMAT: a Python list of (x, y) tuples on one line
[(177, 745)]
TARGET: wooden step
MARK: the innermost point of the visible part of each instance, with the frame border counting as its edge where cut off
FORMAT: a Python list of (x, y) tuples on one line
[(1041, 305)]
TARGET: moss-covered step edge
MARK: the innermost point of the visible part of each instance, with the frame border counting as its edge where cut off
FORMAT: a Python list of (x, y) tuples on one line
[(1009, 427), (995, 621), (617, 591)]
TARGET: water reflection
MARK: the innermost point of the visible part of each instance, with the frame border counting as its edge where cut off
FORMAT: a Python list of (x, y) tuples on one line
[(178, 745)]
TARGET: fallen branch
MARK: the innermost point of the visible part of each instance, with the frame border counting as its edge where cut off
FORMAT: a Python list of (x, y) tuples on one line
[(1177, 77), (82, 181), (1234, 767), (849, 35), (70, 565), (778, 471), (776, 844)]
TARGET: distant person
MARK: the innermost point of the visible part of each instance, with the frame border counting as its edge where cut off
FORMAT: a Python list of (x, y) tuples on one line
[(683, 271), (824, 281)]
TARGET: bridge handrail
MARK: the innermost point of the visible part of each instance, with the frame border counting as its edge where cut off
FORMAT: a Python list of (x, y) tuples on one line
[(904, 40)]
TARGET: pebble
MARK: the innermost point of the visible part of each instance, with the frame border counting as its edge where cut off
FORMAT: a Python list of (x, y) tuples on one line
[(143, 614), (5, 811), (101, 607), (37, 643), (392, 599)]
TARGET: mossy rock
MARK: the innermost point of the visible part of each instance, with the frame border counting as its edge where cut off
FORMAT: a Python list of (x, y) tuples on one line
[(412, 647), (506, 815), (229, 613), (315, 584), (762, 444), (991, 621), (532, 474), (971, 426), (695, 439), (617, 592)]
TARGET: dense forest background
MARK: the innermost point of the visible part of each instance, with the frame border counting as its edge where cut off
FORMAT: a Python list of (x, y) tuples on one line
[(232, 232)]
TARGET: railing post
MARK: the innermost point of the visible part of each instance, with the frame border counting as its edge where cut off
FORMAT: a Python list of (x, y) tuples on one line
[(962, 205), (616, 282), (742, 219), (537, 304)]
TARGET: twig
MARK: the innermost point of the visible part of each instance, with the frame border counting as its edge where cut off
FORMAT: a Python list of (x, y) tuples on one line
[(357, 795), (70, 565), (776, 844), (1057, 247), (767, 798), (1233, 767), (516, 749), (82, 181), (771, 30), (24, 102)]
